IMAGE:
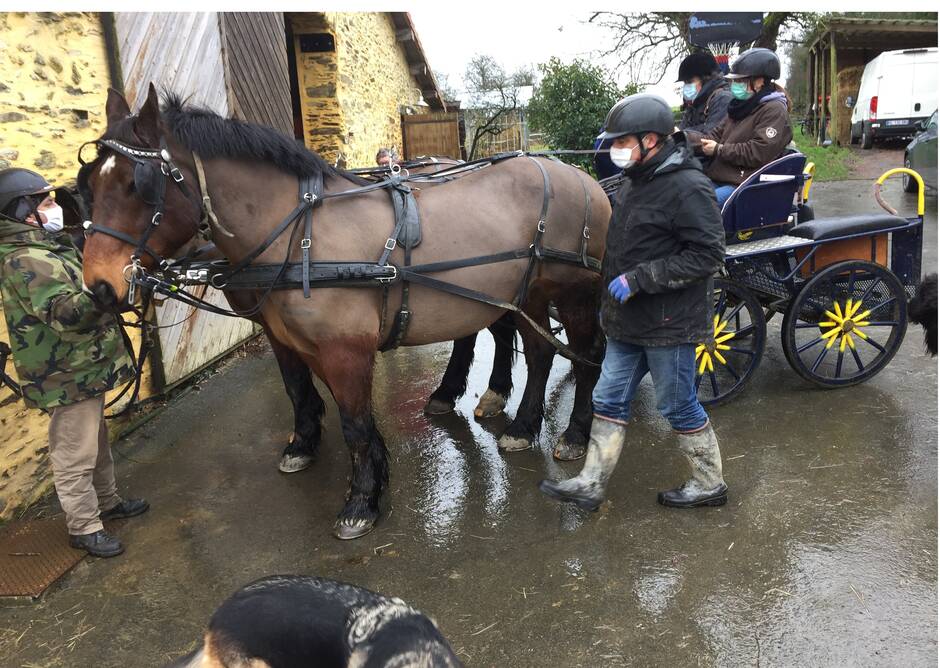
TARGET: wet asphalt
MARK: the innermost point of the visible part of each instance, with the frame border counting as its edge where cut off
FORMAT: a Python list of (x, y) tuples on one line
[(826, 554)]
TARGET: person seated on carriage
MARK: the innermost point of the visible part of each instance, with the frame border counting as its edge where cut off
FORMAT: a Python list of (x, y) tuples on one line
[(67, 353), (705, 93), (386, 157), (665, 242), (757, 129)]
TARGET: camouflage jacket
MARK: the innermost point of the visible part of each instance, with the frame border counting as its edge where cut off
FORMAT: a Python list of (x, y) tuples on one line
[(64, 348)]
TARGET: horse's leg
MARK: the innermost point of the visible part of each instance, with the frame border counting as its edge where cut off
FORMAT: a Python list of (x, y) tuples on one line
[(538, 354), (454, 382), (578, 313), (345, 365), (497, 392), (308, 408)]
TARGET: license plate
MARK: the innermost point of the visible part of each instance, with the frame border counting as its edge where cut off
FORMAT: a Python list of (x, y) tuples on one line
[(898, 122)]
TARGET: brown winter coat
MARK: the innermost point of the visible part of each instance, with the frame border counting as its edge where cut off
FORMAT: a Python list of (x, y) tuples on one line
[(747, 144)]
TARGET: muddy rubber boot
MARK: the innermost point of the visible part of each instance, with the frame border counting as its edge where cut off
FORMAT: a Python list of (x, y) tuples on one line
[(706, 486), (588, 487)]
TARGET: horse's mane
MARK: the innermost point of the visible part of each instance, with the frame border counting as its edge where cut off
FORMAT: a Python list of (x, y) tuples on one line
[(212, 136)]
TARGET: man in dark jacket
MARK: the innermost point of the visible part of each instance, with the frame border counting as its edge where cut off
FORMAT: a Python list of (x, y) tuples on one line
[(664, 243), (705, 93)]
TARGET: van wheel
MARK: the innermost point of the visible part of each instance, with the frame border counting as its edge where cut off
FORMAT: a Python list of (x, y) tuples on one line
[(853, 138), (908, 181), (867, 139)]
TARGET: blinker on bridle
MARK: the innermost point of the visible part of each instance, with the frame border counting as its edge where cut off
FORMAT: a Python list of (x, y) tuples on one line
[(150, 179)]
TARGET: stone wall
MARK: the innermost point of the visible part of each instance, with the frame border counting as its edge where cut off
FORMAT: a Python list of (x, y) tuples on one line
[(53, 87), (351, 99)]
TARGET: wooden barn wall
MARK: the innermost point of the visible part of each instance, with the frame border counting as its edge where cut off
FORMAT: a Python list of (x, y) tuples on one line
[(255, 53), (183, 53), (179, 52)]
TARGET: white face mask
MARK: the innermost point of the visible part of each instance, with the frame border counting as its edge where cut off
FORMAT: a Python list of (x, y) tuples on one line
[(54, 219), (623, 157)]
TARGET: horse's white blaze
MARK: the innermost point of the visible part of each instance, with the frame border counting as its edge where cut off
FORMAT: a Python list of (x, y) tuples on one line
[(108, 165)]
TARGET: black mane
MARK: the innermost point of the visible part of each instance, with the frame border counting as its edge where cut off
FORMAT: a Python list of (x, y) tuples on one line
[(212, 136)]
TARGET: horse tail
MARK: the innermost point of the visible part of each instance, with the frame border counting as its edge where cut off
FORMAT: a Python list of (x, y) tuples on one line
[(922, 310)]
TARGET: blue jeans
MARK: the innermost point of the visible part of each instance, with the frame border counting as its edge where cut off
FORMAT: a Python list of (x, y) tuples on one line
[(723, 193), (673, 371)]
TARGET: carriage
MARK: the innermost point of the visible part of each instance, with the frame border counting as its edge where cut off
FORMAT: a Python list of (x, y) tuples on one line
[(841, 284)]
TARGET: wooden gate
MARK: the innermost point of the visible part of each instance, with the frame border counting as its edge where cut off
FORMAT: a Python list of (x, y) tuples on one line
[(431, 134)]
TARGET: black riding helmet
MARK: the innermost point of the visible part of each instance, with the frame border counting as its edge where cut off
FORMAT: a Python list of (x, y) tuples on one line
[(17, 182), (756, 62), (700, 64), (637, 115)]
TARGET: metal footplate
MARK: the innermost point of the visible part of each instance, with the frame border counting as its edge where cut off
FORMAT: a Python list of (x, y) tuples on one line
[(774, 244)]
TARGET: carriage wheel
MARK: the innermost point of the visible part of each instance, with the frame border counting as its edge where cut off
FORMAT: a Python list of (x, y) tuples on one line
[(725, 363), (846, 323)]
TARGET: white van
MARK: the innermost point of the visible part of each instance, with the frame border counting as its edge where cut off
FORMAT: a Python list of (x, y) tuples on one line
[(898, 89)]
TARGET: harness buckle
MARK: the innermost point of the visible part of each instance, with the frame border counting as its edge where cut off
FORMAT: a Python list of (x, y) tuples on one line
[(157, 217), (310, 198), (541, 226), (586, 233), (305, 243), (389, 279), (390, 244), (176, 174)]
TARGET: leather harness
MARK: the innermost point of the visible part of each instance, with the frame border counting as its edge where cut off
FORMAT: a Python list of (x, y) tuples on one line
[(306, 274)]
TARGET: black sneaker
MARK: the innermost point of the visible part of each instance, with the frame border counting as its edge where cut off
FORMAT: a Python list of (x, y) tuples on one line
[(126, 508), (98, 544)]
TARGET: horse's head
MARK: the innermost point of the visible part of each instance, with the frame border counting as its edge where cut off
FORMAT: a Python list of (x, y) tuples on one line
[(141, 212)]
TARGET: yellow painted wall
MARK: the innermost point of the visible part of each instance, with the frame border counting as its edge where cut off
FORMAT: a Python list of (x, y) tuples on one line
[(53, 87), (351, 99)]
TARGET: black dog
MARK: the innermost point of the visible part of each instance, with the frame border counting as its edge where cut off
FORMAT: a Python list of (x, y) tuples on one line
[(293, 621), (922, 309)]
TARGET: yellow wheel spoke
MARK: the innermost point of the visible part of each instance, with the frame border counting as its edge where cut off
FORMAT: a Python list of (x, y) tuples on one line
[(698, 350), (855, 307), (828, 323), (862, 316), (701, 367), (723, 347), (715, 321), (830, 334), (711, 367), (863, 323), (724, 337), (831, 342), (842, 343), (861, 334), (720, 358), (851, 342), (838, 310), (839, 319)]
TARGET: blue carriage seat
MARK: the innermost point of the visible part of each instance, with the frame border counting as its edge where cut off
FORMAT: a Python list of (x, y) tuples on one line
[(766, 197)]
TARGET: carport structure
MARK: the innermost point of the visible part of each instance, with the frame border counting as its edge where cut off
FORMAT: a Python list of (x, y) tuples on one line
[(852, 42)]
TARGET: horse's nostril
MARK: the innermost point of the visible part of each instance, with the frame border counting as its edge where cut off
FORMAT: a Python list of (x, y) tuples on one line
[(104, 293)]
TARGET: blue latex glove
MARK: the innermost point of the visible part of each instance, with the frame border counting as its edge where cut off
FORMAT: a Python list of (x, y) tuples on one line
[(620, 288)]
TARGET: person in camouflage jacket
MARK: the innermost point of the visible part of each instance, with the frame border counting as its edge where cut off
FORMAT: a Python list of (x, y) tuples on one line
[(67, 354)]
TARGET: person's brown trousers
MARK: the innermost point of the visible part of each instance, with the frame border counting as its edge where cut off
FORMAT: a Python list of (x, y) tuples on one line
[(81, 464)]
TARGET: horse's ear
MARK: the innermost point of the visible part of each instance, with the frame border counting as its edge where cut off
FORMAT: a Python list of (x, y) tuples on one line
[(116, 108), (147, 124)]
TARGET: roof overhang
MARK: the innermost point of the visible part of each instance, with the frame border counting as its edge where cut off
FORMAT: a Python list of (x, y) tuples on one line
[(407, 36)]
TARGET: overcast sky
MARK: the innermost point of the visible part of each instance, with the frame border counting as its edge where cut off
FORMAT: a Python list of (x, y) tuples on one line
[(517, 35)]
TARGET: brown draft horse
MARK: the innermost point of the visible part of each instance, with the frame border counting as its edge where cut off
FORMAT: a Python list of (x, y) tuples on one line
[(252, 177)]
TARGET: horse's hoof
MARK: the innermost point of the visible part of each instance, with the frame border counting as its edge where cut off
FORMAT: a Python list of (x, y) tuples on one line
[(490, 405), (568, 452), (350, 529), (513, 444), (294, 463), (438, 407)]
